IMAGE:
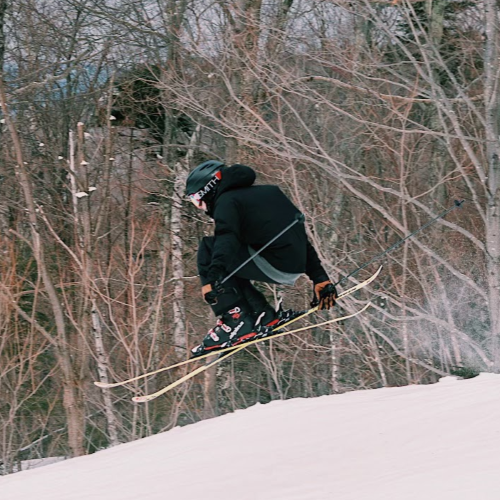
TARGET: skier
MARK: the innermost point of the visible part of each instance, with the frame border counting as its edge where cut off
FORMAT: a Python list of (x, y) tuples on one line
[(247, 217)]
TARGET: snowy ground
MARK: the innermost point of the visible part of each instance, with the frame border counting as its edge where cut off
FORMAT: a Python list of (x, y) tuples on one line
[(429, 442)]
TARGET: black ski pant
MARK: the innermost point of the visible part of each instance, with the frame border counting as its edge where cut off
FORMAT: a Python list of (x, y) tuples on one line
[(238, 290)]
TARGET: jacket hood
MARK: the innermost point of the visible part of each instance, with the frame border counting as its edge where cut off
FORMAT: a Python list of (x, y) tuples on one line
[(236, 176)]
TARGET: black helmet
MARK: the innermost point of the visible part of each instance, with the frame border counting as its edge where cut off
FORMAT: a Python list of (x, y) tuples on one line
[(200, 179)]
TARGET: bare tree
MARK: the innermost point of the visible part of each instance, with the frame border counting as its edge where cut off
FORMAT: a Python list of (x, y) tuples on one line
[(3, 204), (492, 175)]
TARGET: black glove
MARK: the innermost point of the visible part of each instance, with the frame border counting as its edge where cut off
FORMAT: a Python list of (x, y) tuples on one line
[(211, 291), (325, 294)]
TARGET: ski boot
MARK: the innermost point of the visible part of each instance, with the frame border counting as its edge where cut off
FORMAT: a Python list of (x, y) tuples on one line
[(232, 328), (272, 319)]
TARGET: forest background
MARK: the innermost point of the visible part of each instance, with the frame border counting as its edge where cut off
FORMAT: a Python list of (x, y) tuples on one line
[(373, 116)]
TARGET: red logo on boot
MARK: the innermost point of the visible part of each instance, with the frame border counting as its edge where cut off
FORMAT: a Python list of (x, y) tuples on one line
[(226, 328), (213, 335), (235, 313)]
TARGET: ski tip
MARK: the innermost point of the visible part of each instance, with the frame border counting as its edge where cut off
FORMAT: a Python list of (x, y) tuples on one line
[(103, 385), (140, 399), (375, 274)]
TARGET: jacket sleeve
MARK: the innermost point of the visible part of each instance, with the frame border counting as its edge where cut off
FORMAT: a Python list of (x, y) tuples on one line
[(227, 238), (314, 269)]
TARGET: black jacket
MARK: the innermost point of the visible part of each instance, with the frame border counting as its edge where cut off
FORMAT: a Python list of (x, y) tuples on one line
[(253, 215)]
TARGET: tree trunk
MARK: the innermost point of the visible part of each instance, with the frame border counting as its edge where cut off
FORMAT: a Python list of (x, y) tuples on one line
[(492, 110), (244, 19), (3, 10), (90, 319), (180, 175), (102, 368), (439, 155), (4, 211)]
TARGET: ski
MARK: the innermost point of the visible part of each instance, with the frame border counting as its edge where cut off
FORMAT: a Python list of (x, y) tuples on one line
[(154, 395), (104, 385)]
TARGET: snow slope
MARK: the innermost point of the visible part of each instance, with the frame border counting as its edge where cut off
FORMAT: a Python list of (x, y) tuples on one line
[(438, 441)]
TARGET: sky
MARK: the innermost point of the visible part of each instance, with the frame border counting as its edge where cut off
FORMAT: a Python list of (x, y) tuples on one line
[(424, 442)]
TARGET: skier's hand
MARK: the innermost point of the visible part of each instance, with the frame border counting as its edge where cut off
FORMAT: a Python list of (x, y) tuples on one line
[(211, 291), (325, 294)]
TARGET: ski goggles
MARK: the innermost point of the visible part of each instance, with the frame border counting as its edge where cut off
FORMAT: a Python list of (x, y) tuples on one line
[(195, 199)]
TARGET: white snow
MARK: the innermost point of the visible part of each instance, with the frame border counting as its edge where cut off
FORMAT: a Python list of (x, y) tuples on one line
[(432, 442)]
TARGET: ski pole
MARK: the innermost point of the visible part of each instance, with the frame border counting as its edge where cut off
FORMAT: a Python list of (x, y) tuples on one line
[(298, 218), (456, 204)]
